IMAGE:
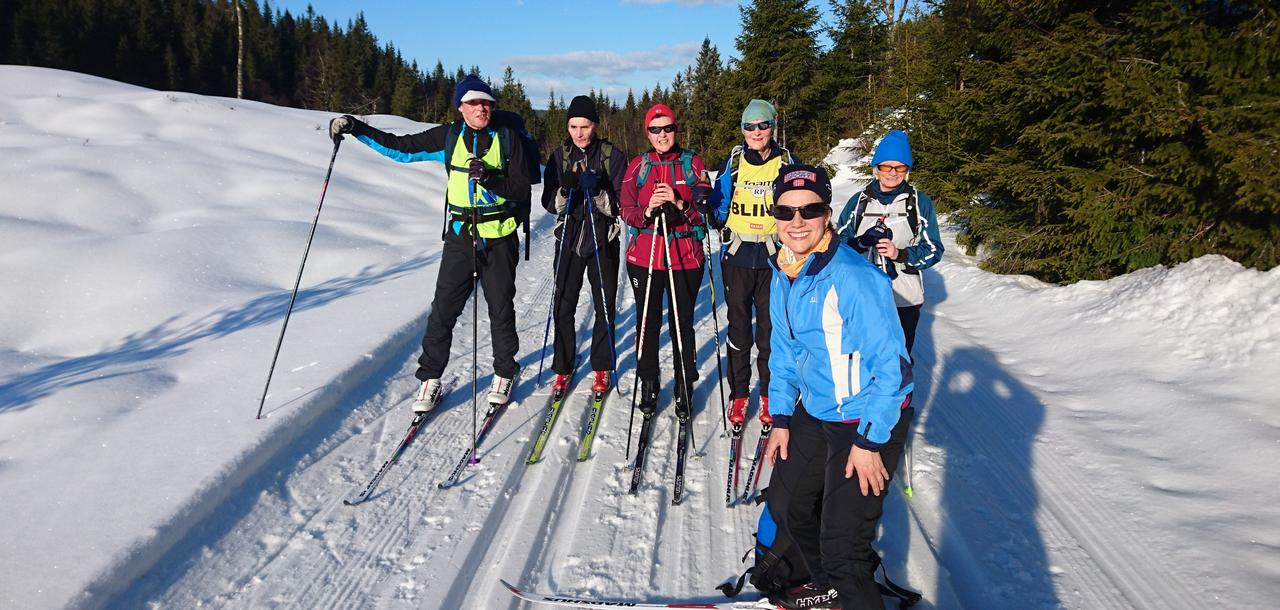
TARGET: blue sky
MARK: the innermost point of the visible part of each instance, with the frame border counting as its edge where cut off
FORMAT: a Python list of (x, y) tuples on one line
[(609, 45)]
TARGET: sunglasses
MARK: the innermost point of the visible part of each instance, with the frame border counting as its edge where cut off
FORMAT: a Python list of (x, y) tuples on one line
[(655, 130), (754, 126), (893, 169), (816, 209)]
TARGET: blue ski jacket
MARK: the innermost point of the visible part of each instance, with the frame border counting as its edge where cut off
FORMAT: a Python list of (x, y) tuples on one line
[(838, 347)]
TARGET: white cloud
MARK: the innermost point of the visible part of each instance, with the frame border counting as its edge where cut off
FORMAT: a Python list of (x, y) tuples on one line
[(607, 66)]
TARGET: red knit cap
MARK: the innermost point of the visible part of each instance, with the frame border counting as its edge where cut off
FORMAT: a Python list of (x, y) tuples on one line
[(658, 110)]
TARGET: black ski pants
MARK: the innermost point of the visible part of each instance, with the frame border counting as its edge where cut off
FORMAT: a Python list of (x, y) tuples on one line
[(745, 289), (683, 293), (604, 264), (831, 522), (909, 316), (497, 264)]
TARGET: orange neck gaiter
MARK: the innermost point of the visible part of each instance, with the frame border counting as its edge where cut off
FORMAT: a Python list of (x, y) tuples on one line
[(790, 264)]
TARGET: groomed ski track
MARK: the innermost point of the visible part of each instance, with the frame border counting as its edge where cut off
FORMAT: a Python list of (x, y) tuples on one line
[(285, 540), (289, 542)]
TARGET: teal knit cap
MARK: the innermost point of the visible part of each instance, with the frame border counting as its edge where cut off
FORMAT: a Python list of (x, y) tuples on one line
[(758, 110)]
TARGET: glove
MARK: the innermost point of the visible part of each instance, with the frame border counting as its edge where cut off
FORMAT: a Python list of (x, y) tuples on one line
[(341, 125), (674, 217), (476, 170), (702, 193), (872, 236), (589, 181), (569, 181), (867, 244)]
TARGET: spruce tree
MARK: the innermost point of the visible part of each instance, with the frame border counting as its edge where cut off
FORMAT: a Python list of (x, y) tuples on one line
[(779, 50), (1091, 139)]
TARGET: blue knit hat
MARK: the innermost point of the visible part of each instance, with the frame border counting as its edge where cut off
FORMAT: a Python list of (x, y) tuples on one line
[(893, 147), (472, 88), (758, 110)]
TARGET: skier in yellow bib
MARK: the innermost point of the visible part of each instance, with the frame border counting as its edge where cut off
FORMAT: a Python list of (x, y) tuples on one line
[(742, 204)]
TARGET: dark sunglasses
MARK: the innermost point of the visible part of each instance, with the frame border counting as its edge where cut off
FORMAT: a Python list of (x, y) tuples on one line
[(755, 126), (667, 128), (808, 212)]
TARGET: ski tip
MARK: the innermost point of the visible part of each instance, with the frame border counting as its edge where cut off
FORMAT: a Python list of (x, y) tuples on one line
[(510, 586), (350, 503)]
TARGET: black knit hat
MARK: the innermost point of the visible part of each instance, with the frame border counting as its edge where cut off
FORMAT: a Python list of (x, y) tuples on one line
[(583, 107), (802, 177)]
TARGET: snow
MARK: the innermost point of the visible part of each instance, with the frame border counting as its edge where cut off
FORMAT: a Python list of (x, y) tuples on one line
[(1099, 445)]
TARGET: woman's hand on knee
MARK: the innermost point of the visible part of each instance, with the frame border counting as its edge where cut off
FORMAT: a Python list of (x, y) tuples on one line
[(870, 469), (777, 446)]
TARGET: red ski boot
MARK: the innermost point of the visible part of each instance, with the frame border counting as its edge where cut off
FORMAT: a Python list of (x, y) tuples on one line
[(561, 383), (601, 383), (738, 411)]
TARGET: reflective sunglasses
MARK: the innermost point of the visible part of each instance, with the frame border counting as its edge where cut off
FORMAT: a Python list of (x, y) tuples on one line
[(755, 126), (893, 169), (655, 130), (809, 211)]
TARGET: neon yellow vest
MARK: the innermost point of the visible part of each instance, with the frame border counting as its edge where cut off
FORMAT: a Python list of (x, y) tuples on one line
[(486, 200), (753, 198)]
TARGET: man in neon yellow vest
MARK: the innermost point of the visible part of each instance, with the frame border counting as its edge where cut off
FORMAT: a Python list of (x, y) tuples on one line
[(742, 202), (489, 170)]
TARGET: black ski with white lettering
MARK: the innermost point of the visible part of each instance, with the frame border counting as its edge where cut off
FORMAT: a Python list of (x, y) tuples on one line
[(682, 451), (642, 450), (412, 433)]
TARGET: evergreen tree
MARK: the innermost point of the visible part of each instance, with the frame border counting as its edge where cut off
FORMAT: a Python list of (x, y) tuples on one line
[(779, 50), (705, 80), (1091, 139), (849, 69)]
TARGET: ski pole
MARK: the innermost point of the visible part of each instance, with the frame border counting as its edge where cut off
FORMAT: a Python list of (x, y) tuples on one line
[(644, 321), (604, 303), (715, 318), (475, 302), (298, 282), (683, 385), (563, 219)]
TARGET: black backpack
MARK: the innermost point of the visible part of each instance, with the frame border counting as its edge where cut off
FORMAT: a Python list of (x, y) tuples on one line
[(779, 566)]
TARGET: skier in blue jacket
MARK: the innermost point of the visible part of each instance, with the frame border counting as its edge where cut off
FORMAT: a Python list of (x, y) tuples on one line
[(840, 372), (895, 226)]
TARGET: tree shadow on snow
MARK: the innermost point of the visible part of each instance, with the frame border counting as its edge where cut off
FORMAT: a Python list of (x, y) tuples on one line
[(139, 351)]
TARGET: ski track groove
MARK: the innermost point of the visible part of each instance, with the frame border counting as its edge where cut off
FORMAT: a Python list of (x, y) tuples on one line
[(385, 532), (567, 524), (519, 479)]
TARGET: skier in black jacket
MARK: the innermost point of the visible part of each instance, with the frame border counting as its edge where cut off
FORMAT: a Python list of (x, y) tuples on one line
[(581, 183), (489, 179)]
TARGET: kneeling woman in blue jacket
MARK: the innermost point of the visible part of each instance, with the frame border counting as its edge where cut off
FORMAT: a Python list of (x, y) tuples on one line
[(840, 371)]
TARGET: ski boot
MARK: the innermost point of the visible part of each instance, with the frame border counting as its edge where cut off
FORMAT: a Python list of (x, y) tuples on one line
[(561, 382), (601, 383), (648, 396), (500, 391), (765, 418), (428, 396), (738, 411), (683, 408)]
